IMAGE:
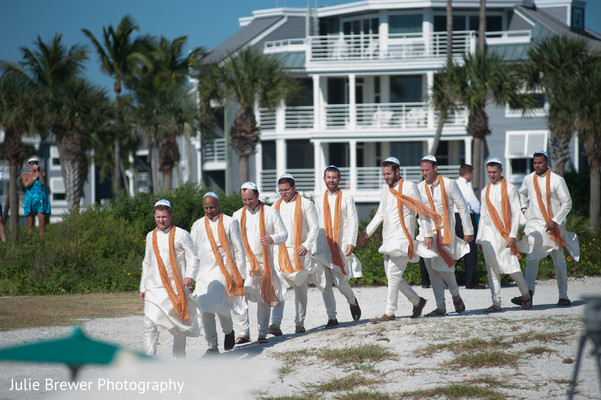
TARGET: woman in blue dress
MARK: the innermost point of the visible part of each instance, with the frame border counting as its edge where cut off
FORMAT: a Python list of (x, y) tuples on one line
[(36, 200)]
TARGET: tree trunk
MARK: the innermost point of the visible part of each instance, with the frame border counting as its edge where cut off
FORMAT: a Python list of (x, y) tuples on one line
[(13, 201), (437, 134), (482, 26), (560, 151), (477, 163), (74, 167), (243, 160), (167, 176), (595, 197), (117, 166), (449, 32)]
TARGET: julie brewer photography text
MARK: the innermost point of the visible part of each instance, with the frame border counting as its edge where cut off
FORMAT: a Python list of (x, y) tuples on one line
[(99, 384)]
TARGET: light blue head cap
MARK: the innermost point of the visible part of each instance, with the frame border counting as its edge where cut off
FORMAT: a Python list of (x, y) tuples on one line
[(212, 194)]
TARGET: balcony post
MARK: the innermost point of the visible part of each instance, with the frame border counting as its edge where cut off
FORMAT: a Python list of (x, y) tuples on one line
[(318, 164), (468, 149), (259, 166), (430, 83), (317, 103), (383, 33), (280, 158), (353, 164), (352, 123), (280, 118)]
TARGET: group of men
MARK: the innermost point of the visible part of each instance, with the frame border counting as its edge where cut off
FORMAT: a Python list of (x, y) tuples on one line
[(261, 251)]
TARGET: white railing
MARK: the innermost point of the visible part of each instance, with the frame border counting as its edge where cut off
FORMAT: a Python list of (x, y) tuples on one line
[(393, 115), (213, 151), (304, 178), (336, 116), (299, 117), (266, 119), (503, 37), (269, 180)]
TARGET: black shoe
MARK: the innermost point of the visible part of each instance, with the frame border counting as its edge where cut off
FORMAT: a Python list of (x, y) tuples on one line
[(417, 310), (426, 285), (332, 323), (518, 299), (229, 341), (300, 329), (564, 303), (356, 310)]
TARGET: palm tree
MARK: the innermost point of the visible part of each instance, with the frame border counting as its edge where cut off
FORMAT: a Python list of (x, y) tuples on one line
[(16, 106), (248, 78), (80, 110), (552, 65), (587, 96), (479, 79), (115, 53)]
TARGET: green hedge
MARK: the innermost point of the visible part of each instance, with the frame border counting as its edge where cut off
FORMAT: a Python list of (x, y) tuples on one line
[(101, 249)]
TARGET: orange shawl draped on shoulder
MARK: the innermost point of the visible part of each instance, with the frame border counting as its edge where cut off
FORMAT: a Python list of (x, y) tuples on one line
[(504, 227), (283, 258), (546, 211), (448, 235), (333, 233)]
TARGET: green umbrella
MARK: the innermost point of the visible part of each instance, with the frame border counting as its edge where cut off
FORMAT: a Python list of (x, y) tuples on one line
[(75, 351)]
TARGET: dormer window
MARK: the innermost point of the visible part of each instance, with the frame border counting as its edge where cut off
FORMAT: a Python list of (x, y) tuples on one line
[(578, 18)]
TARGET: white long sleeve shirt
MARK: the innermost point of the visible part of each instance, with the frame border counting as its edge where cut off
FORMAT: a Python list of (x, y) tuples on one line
[(473, 205)]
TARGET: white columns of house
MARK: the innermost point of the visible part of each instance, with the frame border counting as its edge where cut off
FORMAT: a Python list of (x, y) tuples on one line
[(280, 158), (427, 25), (429, 84), (318, 102), (352, 81), (383, 31), (319, 163), (280, 118), (468, 149), (353, 164), (198, 147)]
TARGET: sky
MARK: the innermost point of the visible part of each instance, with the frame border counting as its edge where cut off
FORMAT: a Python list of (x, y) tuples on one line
[(206, 22)]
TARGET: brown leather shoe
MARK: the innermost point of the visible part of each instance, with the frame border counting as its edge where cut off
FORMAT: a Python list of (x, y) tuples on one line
[(493, 309), (417, 310), (383, 318), (355, 310), (274, 330), (332, 323), (300, 329), (262, 340)]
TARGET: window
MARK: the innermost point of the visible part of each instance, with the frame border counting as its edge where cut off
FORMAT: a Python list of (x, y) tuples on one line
[(405, 23), (268, 154), (577, 18), (57, 192), (299, 154), (519, 148), (540, 108), (406, 88), (408, 153)]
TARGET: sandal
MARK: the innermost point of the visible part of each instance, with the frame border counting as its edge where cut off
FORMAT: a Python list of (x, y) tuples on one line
[(459, 305), (527, 304), (493, 309), (242, 339), (262, 340), (437, 312)]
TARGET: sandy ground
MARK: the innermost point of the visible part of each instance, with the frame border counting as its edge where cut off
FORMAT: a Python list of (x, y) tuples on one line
[(543, 367)]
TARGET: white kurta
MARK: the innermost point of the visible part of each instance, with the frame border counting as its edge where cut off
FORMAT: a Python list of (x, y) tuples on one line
[(211, 290), (458, 248), (394, 241), (537, 243), (493, 244), (274, 227), (157, 305), (349, 227), (308, 239), (466, 189)]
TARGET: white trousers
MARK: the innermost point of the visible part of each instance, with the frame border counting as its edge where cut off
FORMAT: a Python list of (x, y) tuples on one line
[(209, 325), (151, 339), (328, 292), (495, 283), (263, 313), (394, 268), (300, 303), (441, 280), (561, 272)]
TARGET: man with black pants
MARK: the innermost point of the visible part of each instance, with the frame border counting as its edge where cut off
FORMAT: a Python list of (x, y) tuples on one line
[(470, 260)]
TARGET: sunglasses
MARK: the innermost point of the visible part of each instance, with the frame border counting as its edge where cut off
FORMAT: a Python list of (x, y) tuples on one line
[(33, 162)]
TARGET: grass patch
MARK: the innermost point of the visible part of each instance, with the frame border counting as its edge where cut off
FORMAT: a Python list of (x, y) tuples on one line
[(471, 345), (346, 383), (308, 396), (62, 310), (455, 391), (482, 359), (544, 337), (356, 354), (294, 356), (539, 350), (365, 395)]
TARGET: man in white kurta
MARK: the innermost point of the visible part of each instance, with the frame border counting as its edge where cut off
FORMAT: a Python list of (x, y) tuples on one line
[(397, 247), (342, 265), (268, 293), (159, 309), (217, 276), (440, 248), (297, 250), (498, 233), (545, 231)]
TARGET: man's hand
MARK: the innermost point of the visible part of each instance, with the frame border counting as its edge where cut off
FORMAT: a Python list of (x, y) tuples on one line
[(188, 282), (428, 242), (349, 250), (468, 238), (362, 238), (142, 295), (510, 242), (301, 251), (550, 225), (267, 240)]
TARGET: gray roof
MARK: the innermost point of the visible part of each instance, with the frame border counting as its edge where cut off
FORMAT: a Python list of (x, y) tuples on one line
[(240, 38)]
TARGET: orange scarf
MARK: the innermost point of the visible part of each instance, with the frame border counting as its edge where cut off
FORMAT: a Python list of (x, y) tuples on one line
[(234, 283), (283, 257), (267, 291), (332, 237), (178, 301), (414, 205), (548, 214), (448, 237), (504, 227)]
